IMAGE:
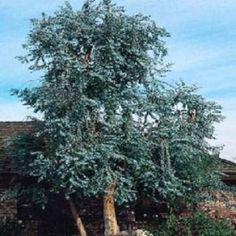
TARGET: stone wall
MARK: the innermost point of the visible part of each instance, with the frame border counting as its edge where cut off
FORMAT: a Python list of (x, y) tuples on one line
[(7, 130)]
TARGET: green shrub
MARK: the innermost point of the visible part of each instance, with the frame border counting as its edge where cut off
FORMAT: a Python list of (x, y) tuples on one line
[(196, 224)]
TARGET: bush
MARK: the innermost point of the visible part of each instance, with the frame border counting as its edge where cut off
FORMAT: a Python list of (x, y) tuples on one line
[(196, 224), (10, 227)]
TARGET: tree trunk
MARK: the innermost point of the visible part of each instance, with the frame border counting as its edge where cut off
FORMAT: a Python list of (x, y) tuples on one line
[(78, 221), (110, 221)]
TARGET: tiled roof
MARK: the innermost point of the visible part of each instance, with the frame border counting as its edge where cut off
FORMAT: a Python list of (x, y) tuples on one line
[(229, 169)]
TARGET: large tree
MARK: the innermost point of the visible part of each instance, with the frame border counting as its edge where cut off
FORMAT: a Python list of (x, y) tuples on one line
[(110, 127)]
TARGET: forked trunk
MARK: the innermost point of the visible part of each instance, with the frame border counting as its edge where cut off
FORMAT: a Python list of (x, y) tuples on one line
[(110, 221), (77, 219)]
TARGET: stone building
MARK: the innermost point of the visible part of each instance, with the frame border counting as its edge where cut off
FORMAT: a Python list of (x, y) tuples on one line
[(229, 170)]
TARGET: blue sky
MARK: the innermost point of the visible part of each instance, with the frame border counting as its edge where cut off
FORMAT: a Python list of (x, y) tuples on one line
[(202, 46)]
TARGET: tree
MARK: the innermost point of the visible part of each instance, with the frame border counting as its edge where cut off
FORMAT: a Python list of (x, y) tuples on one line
[(110, 127), (182, 124)]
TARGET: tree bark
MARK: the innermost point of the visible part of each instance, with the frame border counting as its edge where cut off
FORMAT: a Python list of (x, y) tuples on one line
[(78, 221), (110, 221)]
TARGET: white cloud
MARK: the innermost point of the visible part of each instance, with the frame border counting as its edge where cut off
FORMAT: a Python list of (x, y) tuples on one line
[(187, 56), (226, 136), (14, 111), (226, 130)]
